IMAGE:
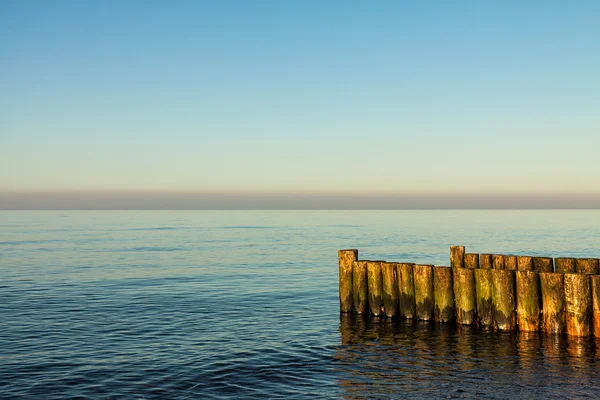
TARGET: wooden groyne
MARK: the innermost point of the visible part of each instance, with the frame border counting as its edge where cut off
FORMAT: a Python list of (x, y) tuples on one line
[(492, 291)]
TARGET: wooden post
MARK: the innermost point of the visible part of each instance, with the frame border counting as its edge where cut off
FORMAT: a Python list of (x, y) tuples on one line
[(464, 295), (503, 299), (510, 263), (528, 300), (359, 287), (497, 261), (564, 265), (406, 290), (375, 287), (457, 256), (543, 264), (596, 304), (587, 266), (390, 289), (483, 293), (472, 260), (525, 263), (443, 294), (553, 302), (423, 277), (485, 261), (578, 299), (345, 259)]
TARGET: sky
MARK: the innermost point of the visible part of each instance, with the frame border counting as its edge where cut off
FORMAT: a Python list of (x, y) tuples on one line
[(299, 97)]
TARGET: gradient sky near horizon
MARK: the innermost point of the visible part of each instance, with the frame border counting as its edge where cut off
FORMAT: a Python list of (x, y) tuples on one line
[(300, 96)]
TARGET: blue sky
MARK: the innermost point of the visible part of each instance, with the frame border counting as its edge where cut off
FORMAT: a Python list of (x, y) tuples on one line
[(282, 96)]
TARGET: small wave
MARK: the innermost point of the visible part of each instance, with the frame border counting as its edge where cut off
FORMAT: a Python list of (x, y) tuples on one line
[(248, 227), (19, 242), (152, 248), (157, 228)]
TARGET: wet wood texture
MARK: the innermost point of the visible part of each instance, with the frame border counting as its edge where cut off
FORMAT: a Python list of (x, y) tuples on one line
[(472, 260), (464, 295), (443, 294), (390, 289), (359, 287), (528, 300), (345, 260), (457, 256), (423, 278), (578, 301), (406, 290), (564, 265), (375, 287)]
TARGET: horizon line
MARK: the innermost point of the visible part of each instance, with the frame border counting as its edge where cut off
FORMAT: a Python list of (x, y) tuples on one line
[(160, 200)]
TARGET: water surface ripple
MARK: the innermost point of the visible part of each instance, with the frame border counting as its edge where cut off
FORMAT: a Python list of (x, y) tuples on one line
[(243, 304)]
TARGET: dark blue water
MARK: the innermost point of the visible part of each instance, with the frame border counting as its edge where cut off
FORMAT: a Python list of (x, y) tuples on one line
[(205, 304)]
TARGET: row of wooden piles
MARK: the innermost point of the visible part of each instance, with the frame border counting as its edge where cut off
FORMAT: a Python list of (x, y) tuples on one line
[(501, 292)]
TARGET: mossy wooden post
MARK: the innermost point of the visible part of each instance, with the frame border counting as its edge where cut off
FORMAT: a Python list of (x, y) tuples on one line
[(503, 299), (587, 266), (565, 265), (485, 261), (528, 300), (423, 277), (543, 264), (375, 287), (390, 289), (525, 263), (464, 295), (345, 259), (553, 302), (457, 256), (443, 294), (497, 261), (406, 290), (472, 260), (510, 263), (578, 301), (483, 293), (595, 279), (359, 287)]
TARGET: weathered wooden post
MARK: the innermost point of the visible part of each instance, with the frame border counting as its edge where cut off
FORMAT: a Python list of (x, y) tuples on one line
[(578, 299), (464, 295), (503, 299), (359, 287), (443, 294), (553, 302), (406, 290), (375, 287), (423, 278), (472, 260), (564, 265), (457, 256), (596, 304), (543, 264), (528, 300), (587, 266), (483, 293), (345, 259), (510, 263), (485, 261), (390, 289), (525, 263), (497, 261)]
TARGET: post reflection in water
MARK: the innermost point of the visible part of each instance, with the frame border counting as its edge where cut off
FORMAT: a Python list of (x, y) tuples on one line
[(380, 357)]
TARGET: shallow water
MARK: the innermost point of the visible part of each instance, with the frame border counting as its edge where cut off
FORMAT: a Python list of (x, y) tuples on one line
[(160, 304)]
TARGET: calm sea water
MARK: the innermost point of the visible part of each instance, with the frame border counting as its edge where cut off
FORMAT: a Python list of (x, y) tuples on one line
[(243, 304)]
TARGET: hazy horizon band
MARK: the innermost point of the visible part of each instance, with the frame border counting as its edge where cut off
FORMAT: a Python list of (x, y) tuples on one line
[(151, 200)]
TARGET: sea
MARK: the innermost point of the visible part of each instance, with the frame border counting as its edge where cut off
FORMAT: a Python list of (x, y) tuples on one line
[(244, 304)]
